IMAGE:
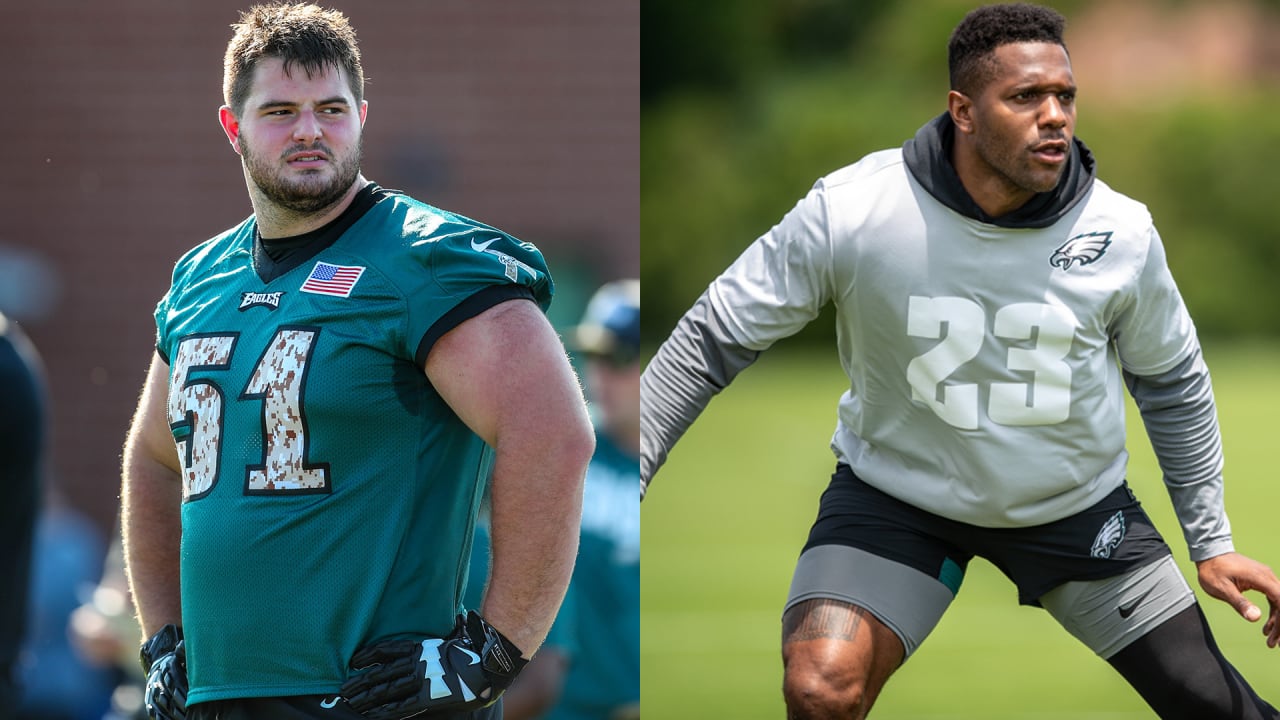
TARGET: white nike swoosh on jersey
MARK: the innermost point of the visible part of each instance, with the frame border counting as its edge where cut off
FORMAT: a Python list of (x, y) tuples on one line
[(481, 247)]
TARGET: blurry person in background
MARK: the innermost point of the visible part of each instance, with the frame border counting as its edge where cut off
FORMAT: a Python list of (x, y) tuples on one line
[(57, 681), (603, 682), (50, 552), (22, 438), (104, 631)]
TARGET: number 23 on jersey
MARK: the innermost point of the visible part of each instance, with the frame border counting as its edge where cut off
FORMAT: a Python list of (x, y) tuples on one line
[(961, 326)]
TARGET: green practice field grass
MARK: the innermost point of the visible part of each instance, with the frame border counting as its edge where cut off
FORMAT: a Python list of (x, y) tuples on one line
[(727, 515)]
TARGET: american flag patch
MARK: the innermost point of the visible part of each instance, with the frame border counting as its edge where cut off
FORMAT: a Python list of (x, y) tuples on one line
[(336, 280)]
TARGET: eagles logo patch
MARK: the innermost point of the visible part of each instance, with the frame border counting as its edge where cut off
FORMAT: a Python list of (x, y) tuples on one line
[(1082, 249), (1109, 537)]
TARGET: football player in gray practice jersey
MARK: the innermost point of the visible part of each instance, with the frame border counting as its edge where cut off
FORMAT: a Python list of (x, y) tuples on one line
[(994, 299)]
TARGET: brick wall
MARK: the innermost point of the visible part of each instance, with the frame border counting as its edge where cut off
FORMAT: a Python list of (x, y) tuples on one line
[(522, 114)]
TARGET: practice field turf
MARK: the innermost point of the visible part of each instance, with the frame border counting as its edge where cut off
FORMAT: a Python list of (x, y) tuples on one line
[(727, 515)]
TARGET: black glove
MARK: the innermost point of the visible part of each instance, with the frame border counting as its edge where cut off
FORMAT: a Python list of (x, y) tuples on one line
[(164, 660), (404, 678)]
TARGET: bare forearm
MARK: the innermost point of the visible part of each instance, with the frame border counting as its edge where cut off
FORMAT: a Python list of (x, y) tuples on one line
[(535, 518), (152, 530), (151, 505), (528, 407)]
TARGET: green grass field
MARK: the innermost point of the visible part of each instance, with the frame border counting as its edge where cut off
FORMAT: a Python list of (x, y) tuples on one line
[(727, 515)]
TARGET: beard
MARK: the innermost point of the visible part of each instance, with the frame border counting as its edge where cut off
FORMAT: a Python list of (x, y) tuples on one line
[(310, 192), (1016, 169)]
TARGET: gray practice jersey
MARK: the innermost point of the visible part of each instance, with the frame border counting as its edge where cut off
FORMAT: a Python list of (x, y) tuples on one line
[(986, 364)]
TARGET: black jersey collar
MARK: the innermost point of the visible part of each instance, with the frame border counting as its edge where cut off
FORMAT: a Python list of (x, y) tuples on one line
[(277, 256), (928, 157)]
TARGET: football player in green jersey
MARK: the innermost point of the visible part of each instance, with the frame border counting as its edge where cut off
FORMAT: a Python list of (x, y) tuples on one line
[(335, 378)]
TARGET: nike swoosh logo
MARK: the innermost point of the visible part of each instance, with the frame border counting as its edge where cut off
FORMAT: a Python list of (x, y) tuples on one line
[(329, 704), (474, 657), (481, 247), (1127, 610)]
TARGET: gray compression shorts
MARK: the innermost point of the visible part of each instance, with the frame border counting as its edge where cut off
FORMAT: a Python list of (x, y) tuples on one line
[(1106, 615), (1105, 573)]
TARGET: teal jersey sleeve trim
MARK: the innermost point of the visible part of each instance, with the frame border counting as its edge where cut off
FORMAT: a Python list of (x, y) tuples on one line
[(467, 309)]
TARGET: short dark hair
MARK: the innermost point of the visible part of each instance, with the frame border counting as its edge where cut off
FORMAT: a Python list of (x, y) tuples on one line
[(301, 35), (987, 28)]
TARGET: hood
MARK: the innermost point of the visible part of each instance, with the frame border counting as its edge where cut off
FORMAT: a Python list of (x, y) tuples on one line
[(928, 157)]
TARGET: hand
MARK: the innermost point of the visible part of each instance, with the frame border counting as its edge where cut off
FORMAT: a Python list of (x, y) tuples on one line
[(404, 678), (164, 660), (1227, 576)]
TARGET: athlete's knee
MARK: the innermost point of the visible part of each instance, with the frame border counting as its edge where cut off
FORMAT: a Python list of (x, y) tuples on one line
[(836, 657), (816, 693)]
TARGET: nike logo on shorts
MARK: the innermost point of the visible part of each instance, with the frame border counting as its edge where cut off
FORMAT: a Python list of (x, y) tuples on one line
[(1127, 609)]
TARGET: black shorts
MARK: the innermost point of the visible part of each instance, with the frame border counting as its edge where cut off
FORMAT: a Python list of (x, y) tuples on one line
[(306, 707), (1108, 539)]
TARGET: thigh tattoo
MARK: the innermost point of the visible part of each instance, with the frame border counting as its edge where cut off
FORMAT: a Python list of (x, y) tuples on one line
[(822, 618)]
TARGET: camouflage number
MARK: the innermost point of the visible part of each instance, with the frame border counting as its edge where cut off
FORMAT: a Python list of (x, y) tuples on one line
[(196, 413)]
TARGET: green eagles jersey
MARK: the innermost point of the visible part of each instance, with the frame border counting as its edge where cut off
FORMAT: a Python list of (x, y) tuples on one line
[(329, 492)]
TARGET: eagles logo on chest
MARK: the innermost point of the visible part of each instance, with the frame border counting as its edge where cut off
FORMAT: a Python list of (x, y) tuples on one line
[(1083, 249)]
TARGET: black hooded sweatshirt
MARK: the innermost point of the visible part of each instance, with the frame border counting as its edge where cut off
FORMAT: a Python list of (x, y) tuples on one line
[(928, 157)]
